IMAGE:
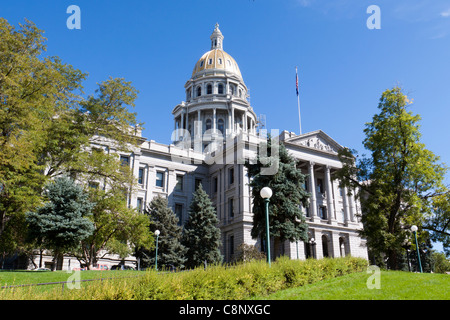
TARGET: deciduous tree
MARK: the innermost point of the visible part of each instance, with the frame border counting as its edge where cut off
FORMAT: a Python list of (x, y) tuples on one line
[(397, 182)]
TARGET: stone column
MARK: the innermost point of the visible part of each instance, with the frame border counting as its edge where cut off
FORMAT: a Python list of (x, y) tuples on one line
[(352, 206), (232, 120), (330, 201), (214, 121), (345, 203), (312, 188), (182, 120)]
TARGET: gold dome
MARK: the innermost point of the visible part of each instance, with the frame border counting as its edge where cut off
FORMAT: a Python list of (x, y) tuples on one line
[(217, 59)]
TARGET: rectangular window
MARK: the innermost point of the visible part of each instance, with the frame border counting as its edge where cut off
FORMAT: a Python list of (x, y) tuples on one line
[(179, 212), (231, 176), (323, 212), (139, 204), (231, 246), (160, 179), (216, 184), (230, 208), (179, 185), (141, 176), (93, 185), (320, 185), (198, 182), (125, 160)]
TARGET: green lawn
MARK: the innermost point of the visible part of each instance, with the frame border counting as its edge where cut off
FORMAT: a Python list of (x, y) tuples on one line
[(395, 285), (27, 277)]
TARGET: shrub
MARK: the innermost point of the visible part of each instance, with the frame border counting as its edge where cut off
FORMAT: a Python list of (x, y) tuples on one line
[(237, 282)]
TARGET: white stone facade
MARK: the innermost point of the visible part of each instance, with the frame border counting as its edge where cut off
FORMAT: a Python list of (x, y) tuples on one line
[(215, 129)]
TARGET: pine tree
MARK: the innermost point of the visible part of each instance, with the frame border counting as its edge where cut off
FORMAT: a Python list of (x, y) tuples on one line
[(62, 222), (201, 235), (171, 253), (286, 220)]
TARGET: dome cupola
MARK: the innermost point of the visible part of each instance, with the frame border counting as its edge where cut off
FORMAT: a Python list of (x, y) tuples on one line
[(217, 101), (216, 59), (216, 38)]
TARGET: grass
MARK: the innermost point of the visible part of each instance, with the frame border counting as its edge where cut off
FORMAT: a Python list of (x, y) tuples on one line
[(325, 279), (239, 282), (395, 285), (8, 278)]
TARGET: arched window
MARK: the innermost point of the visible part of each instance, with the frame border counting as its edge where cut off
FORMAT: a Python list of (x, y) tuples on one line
[(208, 124), (232, 90), (342, 246), (209, 89), (325, 246), (199, 91), (220, 88), (220, 125)]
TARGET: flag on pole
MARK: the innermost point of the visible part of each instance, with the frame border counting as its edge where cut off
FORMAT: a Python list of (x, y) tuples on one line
[(298, 101)]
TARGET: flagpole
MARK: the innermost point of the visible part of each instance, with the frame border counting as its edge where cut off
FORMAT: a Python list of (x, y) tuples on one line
[(298, 102)]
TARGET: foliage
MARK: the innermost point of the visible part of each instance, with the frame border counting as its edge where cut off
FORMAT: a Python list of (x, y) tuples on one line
[(118, 229), (397, 182), (440, 263), (438, 223), (32, 91), (243, 281), (247, 252), (201, 236), (287, 221), (63, 221), (171, 253), (49, 129)]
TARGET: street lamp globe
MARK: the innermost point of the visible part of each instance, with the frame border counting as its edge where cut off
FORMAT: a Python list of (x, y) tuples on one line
[(414, 228), (266, 193), (157, 232)]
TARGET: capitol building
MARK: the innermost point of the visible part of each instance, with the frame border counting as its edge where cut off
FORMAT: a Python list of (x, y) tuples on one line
[(214, 131)]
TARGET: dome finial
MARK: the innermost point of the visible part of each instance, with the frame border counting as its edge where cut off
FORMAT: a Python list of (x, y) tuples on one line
[(216, 38)]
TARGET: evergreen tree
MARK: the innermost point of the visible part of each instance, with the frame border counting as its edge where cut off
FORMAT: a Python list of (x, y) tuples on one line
[(286, 220), (171, 253), (201, 235), (62, 222)]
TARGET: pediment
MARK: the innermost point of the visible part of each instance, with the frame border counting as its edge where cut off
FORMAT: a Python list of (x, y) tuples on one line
[(316, 140)]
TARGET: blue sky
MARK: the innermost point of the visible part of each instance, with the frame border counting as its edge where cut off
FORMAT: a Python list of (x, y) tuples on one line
[(343, 66)]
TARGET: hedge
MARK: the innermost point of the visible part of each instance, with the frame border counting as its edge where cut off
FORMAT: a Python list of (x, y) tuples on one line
[(242, 281)]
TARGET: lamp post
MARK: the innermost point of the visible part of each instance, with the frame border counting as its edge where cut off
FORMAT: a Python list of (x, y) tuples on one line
[(312, 241), (157, 232), (414, 230), (266, 193)]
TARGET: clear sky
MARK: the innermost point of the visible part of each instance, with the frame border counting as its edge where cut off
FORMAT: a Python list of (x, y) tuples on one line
[(343, 65)]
